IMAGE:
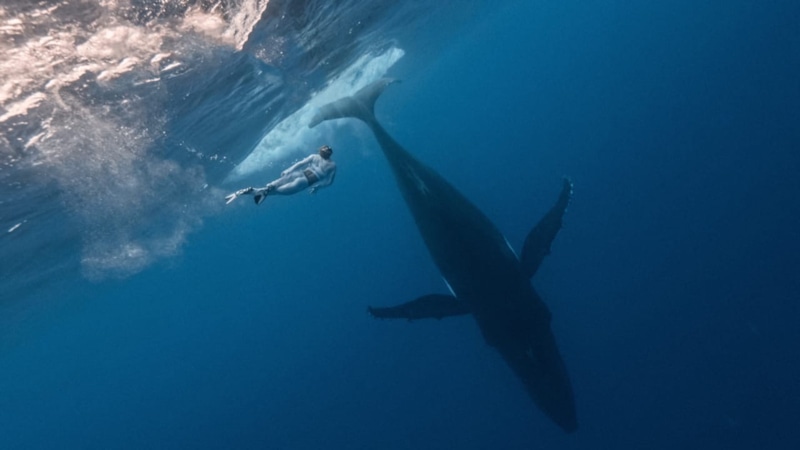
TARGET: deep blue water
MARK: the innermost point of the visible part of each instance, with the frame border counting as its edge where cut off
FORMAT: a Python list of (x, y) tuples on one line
[(673, 284)]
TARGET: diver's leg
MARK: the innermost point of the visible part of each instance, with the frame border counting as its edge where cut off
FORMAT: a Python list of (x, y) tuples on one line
[(260, 194), (235, 195), (289, 184), (292, 187)]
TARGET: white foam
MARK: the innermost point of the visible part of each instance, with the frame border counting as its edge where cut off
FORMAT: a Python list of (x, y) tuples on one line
[(36, 138), (118, 42), (130, 205), (244, 20), (292, 136), (209, 24), (109, 47), (21, 107)]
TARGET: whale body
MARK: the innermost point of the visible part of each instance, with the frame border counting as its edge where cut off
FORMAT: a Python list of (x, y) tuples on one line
[(485, 276)]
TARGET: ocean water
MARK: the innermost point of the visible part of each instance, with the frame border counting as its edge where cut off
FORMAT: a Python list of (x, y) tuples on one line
[(137, 310)]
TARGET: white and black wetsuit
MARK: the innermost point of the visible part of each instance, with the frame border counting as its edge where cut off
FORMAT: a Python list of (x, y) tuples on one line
[(312, 172), (319, 171)]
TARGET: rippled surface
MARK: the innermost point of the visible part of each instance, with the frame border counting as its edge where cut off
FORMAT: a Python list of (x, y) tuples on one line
[(121, 118)]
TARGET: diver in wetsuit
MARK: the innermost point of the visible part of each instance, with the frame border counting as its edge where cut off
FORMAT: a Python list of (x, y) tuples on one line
[(315, 171)]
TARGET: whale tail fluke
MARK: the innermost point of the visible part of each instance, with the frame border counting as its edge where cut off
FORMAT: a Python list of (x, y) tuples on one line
[(360, 105)]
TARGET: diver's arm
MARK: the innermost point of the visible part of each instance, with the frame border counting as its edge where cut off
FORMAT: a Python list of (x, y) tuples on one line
[(296, 165)]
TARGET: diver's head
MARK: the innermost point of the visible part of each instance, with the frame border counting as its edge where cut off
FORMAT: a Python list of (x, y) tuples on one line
[(325, 152)]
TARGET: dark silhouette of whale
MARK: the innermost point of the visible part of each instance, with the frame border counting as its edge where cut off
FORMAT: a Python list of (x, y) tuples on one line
[(480, 267)]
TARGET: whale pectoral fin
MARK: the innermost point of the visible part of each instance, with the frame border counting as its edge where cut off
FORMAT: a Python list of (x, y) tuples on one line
[(537, 243), (433, 306)]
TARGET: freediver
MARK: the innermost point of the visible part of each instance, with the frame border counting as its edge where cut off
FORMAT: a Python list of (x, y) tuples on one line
[(315, 171)]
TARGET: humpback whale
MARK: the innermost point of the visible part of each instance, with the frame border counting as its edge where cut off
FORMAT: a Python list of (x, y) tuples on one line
[(484, 274)]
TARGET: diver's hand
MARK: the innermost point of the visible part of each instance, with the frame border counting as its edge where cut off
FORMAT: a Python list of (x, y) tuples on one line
[(231, 197), (313, 190)]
